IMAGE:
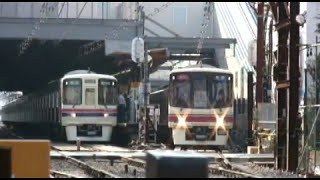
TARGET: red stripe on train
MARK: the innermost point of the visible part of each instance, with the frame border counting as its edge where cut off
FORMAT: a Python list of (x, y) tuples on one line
[(199, 119), (89, 110)]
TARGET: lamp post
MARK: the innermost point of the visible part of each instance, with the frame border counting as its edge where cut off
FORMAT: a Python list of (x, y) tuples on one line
[(317, 73)]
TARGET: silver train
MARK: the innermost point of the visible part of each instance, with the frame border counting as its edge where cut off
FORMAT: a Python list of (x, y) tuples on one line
[(80, 106)]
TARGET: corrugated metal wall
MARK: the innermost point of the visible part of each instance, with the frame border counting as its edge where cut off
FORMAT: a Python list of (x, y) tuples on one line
[(238, 20)]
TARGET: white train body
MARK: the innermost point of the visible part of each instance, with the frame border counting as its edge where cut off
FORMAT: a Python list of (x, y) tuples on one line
[(200, 106), (89, 119), (81, 106)]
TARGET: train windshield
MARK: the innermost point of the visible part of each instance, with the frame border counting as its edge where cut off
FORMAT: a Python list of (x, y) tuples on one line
[(201, 90), (107, 92), (221, 91), (180, 91), (72, 91)]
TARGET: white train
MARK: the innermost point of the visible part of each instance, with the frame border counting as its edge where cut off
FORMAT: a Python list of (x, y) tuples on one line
[(197, 106), (81, 105)]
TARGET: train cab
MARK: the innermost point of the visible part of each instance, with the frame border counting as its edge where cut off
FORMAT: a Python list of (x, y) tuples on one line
[(200, 106), (89, 106)]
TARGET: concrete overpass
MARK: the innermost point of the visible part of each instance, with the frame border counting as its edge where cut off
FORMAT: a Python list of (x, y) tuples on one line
[(70, 29), (56, 41)]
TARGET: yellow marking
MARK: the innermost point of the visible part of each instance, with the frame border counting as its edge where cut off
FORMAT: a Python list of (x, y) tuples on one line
[(29, 158)]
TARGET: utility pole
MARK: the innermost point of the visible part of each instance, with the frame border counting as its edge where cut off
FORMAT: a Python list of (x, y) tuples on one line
[(146, 92), (140, 55), (260, 54), (281, 129), (317, 73), (250, 107), (145, 86), (292, 139)]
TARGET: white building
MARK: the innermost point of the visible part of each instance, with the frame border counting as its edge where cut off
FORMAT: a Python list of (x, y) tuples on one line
[(308, 35)]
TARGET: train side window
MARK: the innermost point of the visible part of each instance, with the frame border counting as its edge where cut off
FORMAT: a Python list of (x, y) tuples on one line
[(107, 92)]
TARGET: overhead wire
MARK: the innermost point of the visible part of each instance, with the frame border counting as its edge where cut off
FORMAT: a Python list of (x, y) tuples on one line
[(91, 47), (23, 46), (72, 24), (204, 26)]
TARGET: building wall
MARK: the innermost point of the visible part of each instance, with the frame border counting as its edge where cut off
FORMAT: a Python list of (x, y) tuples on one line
[(308, 36), (184, 18)]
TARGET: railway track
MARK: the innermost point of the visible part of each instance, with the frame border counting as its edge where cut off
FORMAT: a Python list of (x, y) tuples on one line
[(90, 170), (213, 171), (110, 167), (57, 174), (113, 167), (120, 165), (97, 168), (134, 168), (230, 173)]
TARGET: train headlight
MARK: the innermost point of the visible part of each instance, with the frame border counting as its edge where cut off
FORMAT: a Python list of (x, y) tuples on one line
[(220, 122), (182, 118), (73, 115), (181, 122), (106, 115), (220, 119)]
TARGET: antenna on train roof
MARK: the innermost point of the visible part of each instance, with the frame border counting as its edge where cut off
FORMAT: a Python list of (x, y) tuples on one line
[(89, 70), (200, 62)]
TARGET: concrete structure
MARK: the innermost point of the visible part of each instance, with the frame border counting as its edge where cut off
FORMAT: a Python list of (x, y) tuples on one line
[(184, 19), (114, 22), (43, 28), (67, 21)]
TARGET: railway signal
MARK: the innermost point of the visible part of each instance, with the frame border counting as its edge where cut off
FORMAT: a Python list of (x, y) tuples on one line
[(137, 50)]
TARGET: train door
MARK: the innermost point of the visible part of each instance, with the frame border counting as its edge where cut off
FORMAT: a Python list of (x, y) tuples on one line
[(89, 114), (90, 95)]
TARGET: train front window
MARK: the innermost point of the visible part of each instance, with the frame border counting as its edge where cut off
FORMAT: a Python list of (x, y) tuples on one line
[(221, 91), (90, 95), (107, 92), (201, 90), (200, 97), (72, 91), (180, 91)]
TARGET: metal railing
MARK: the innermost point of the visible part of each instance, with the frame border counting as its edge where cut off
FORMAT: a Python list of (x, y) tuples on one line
[(309, 142)]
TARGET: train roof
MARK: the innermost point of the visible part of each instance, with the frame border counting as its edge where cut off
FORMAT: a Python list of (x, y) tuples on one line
[(86, 73), (80, 72), (201, 68)]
